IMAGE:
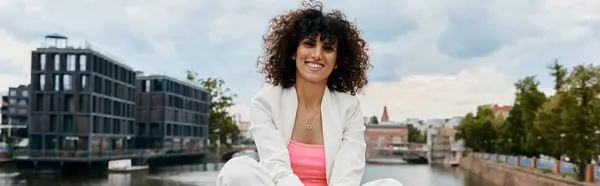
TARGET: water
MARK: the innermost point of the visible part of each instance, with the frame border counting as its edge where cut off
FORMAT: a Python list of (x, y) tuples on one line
[(189, 175)]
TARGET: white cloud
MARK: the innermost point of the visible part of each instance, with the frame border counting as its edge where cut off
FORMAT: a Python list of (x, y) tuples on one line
[(222, 39), (14, 61), (437, 96)]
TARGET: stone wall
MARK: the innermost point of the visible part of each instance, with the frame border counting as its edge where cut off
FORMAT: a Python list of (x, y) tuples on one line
[(494, 174)]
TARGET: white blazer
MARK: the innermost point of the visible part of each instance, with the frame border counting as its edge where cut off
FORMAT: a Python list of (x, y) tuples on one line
[(273, 113)]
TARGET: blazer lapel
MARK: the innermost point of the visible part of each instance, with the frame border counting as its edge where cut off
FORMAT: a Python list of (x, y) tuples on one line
[(332, 131), (289, 103)]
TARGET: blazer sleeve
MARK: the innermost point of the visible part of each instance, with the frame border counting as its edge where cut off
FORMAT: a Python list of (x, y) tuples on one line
[(271, 146), (350, 162)]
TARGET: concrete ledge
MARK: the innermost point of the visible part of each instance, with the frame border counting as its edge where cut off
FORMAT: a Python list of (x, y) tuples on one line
[(498, 174)]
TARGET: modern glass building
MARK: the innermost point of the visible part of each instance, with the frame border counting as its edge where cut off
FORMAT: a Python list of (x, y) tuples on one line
[(15, 112), (171, 115), (82, 102)]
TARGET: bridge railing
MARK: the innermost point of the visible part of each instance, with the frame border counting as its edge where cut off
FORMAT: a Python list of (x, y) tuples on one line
[(110, 154), (545, 164)]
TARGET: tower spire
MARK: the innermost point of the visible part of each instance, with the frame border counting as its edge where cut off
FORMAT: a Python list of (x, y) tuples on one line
[(385, 117)]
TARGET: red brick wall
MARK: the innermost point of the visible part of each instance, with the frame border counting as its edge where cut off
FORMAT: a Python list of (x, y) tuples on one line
[(372, 134)]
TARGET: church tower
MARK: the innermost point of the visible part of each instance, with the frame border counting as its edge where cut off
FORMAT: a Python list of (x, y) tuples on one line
[(385, 117)]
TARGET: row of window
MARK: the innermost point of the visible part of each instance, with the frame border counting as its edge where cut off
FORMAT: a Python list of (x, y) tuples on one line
[(23, 93), (158, 129), (113, 89), (173, 101), (160, 85), (64, 82), (61, 82), (160, 115), (19, 102), (82, 62), (83, 103), (53, 61)]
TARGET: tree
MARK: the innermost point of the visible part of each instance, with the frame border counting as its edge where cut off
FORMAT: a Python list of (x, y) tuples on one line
[(415, 135), (549, 121), (521, 133), (221, 124), (559, 73), (480, 131), (580, 115), (374, 120)]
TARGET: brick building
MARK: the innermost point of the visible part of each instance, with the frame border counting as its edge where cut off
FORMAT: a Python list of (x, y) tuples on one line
[(383, 135), (500, 110)]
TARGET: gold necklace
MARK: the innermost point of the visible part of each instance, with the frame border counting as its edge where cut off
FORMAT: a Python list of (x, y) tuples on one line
[(309, 123)]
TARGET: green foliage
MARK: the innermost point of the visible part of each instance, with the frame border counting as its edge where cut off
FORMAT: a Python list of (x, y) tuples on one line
[(480, 131), (374, 120), (221, 125), (561, 125), (415, 135)]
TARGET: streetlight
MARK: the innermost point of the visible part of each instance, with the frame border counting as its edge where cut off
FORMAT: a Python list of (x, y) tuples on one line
[(597, 143), (510, 145), (562, 145)]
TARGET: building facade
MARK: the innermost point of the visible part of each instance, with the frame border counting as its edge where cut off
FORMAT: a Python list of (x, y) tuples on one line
[(15, 112), (171, 114), (82, 103), (382, 135), (500, 110)]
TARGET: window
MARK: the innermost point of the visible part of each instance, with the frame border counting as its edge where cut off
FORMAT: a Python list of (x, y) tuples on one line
[(12, 110), (83, 82), (43, 62), (57, 62), (56, 82), (158, 85), (23, 103), (66, 82), (12, 93), (82, 63), (25, 93), (147, 87), (12, 101), (42, 81), (71, 59)]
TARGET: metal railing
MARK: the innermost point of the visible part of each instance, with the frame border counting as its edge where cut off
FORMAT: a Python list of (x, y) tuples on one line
[(111, 154)]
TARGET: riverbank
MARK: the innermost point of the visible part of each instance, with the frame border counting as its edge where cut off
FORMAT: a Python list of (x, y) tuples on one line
[(498, 174)]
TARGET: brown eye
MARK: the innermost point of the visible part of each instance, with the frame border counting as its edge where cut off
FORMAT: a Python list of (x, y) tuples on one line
[(329, 48), (308, 43)]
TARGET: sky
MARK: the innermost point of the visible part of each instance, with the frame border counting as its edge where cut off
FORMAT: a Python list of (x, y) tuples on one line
[(431, 58)]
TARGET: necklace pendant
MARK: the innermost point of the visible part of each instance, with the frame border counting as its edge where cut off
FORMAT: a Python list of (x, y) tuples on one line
[(309, 127)]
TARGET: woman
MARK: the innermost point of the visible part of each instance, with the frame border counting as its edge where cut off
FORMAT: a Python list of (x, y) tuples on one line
[(307, 125)]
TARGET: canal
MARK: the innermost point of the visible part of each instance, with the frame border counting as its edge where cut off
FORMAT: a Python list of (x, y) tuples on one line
[(190, 175)]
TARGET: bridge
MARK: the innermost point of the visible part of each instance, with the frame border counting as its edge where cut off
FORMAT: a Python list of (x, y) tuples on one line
[(226, 153), (405, 151)]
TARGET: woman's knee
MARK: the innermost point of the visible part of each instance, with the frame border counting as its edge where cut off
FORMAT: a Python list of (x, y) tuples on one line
[(238, 167), (384, 182), (390, 182)]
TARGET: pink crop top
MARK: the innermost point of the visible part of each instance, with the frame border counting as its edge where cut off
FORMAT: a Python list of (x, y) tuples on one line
[(308, 163)]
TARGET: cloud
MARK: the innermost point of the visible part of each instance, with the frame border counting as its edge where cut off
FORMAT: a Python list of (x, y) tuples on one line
[(428, 55), (14, 60), (437, 96)]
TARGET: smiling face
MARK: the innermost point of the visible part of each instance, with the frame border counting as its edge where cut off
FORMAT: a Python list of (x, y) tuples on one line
[(315, 59)]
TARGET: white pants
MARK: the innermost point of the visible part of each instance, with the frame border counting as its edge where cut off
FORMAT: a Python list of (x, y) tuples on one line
[(245, 171)]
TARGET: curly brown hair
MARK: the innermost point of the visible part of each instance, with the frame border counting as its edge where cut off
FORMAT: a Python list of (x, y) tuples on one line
[(287, 30)]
